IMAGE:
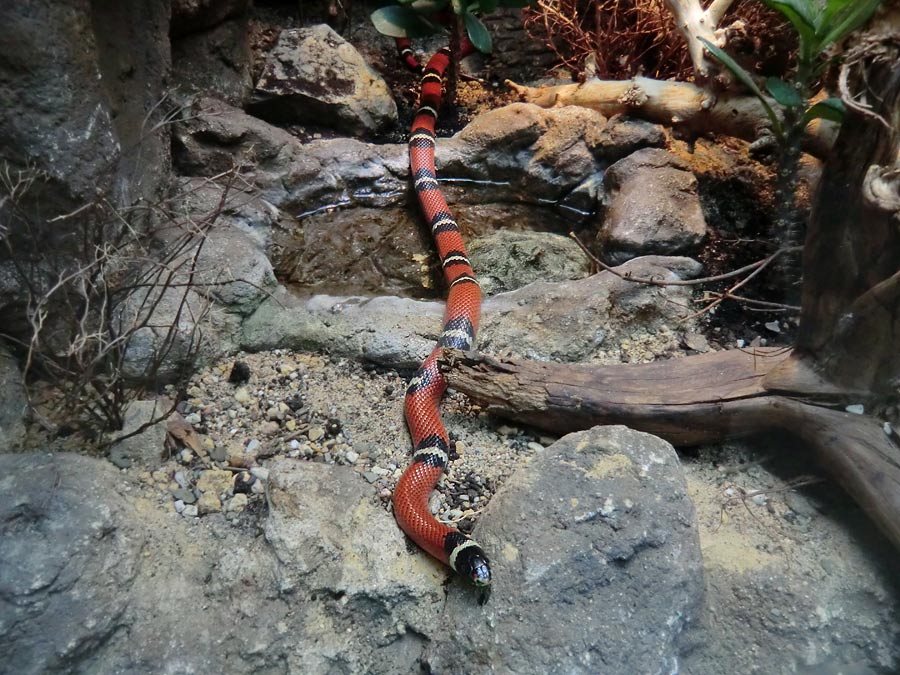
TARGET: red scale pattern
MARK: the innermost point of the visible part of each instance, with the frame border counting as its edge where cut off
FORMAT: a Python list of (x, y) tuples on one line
[(464, 300)]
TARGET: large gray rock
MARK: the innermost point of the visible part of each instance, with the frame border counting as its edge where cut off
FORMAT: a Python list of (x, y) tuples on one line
[(70, 550), (596, 565), (193, 15), (13, 401), (215, 62), (77, 80), (652, 206), (600, 317), (538, 155), (232, 266), (145, 428), (312, 75), (374, 602), (295, 176)]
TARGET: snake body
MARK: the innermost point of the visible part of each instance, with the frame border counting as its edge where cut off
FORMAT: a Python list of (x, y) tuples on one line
[(426, 388)]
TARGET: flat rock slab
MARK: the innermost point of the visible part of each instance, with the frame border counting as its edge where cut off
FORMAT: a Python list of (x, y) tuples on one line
[(598, 317), (596, 564)]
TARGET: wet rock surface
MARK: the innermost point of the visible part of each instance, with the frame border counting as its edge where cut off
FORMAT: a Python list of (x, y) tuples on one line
[(611, 559)]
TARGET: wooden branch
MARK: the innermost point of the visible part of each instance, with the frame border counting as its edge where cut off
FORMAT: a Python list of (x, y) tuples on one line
[(697, 399), (694, 22), (681, 400), (681, 105)]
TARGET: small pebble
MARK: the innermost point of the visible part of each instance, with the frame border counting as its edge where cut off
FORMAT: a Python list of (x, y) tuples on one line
[(856, 409), (185, 456), (352, 456), (237, 503), (258, 487), (194, 418), (242, 395), (887, 428), (315, 433), (260, 472), (370, 476), (190, 511), (179, 506), (759, 500), (252, 446)]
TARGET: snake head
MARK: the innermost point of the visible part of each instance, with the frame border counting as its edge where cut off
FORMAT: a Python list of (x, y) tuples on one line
[(479, 570)]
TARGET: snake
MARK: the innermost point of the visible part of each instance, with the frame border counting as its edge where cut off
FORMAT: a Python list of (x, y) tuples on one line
[(431, 443)]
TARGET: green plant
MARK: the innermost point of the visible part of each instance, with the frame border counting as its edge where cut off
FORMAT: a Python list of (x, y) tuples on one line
[(820, 25), (420, 18)]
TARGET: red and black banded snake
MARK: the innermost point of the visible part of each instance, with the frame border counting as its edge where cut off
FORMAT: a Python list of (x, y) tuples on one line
[(426, 388)]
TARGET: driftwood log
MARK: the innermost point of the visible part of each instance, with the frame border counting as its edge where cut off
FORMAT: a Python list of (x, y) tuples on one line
[(699, 399), (848, 346), (690, 109)]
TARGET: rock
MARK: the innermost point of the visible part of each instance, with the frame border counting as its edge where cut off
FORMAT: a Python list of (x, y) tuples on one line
[(232, 265), (601, 316), (146, 448), (215, 481), (192, 15), (13, 401), (506, 260), (165, 338), (208, 503), (614, 523), (540, 153), (313, 75), (215, 63), (537, 154), (376, 602), (652, 206), (237, 503), (71, 545), (80, 85)]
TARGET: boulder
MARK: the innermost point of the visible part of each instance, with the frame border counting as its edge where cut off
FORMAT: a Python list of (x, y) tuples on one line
[(215, 62), (314, 76), (652, 206), (70, 549), (189, 16), (13, 401), (595, 561)]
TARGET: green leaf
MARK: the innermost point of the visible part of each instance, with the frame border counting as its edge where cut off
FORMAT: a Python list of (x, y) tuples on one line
[(784, 93), (832, 7), (747, 81), (803, 18), (483, 6), (427, 6), (828, 109), (478, 33), (397, 21), (848, 21)]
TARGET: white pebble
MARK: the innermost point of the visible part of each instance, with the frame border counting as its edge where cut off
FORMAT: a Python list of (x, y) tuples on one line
[(190, 511), (179, 506), (260, 472), (352, 456), (258, 487), (193, 418), (185, 456), (887, 428), (759, 500), (252, 446), (856, 409)]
